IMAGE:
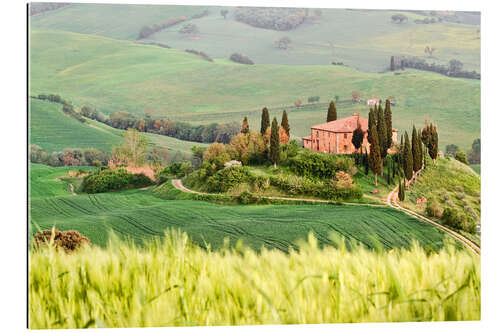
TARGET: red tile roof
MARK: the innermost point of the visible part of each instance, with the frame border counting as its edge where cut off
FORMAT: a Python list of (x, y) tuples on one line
[(343, 125)]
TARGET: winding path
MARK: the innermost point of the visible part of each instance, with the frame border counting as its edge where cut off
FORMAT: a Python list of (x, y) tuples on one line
[(391, 202), (177, 183)]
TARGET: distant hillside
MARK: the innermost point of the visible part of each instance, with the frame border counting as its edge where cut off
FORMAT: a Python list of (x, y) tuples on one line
[(53, 131), (364, 39), (115, 21), (113, 75)]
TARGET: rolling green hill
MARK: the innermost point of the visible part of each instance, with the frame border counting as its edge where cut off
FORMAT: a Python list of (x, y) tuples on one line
[(109, 20), (53, 130), (113, 75), (138, 214), (364, 39)]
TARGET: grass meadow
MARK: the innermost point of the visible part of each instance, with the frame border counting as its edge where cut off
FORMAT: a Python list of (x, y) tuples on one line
[(175, 283), (183, 87)]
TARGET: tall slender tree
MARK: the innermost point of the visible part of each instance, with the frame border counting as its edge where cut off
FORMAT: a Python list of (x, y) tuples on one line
[(434, 140), (264, 121), (407, 158), (420, 150), (401, 190), (284, 123), (357, 137), (415, 149), (332, 112), (366, 162), (375, 158), (382, 132), (244, 126), (388, 122), (274, 150), (372, 121)]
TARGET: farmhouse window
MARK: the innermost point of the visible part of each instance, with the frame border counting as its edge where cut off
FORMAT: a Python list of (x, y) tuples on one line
[(345, 135), (345, 148)]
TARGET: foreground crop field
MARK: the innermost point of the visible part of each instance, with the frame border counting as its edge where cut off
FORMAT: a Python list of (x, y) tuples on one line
[(139, 215), (113, 75), (173, 283)]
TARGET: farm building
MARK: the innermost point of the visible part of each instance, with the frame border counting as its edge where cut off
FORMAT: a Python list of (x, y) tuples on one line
[(335, 137), (373, 102)]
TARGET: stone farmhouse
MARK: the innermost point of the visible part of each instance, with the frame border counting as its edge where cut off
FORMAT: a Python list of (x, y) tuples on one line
[(335, 137)]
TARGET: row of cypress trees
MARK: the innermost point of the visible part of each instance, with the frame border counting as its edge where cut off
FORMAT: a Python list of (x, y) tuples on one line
[(274, 146), (379, 136)]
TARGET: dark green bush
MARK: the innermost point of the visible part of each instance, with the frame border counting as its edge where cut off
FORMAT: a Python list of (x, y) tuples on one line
[(108, 180), (228, 178), (456, 219), (319, 165)]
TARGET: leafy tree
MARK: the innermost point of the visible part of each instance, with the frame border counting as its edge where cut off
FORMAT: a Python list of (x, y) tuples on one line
[(399, 18), (474, 154), (189, 29), (375, 158), (224, 13), (284, 123), (274, 151), (264, 122), (283, 43), (244, 126), (357, 137), (356, 96), (332, 112), (460, 156), (407, 158), (224, 132), (451, 150), (133, 148)]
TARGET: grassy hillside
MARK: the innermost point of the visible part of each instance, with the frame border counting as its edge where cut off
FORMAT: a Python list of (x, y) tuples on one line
[(53, 130), (177, 284), (364, 39), (45, 181), (115, 21), (116, 75)]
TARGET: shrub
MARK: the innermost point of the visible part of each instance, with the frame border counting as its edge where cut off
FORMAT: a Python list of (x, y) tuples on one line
[(432, 208), (69, 241), (454, 218), (113, 180), (319, 165), (240, 58), (280, 19), (227, 178), (461, 157)]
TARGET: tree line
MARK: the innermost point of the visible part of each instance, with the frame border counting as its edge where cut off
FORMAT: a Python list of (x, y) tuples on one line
[(213, 132), (453, 69)]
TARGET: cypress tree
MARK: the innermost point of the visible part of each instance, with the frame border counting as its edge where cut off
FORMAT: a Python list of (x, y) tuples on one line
[(414, 149), (433, 149), (366, 162), (388, 122), (420, 150), (375, 158), (407, 158), (401, 191), (284, 123), (264, 121), (244, 126), (382, 132), (393, 66), (274, 151), (371, 122), (357, 137), (332, 112)]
